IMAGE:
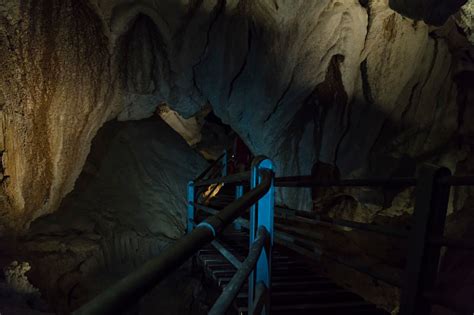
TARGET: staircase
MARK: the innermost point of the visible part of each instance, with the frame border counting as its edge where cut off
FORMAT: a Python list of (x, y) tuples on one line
[(262, 271), (298, 285)]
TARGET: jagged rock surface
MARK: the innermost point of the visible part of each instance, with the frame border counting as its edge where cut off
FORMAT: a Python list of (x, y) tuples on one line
[(299, 82), (128, 204)]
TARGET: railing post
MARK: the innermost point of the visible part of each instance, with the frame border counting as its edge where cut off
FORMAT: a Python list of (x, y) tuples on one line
[(428, 221), (239, 192), (261, 214), (224, 164), (191, 208)]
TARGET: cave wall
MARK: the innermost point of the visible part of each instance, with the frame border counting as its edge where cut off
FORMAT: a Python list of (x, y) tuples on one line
[(128, 204), (57, 90), (343, 82)]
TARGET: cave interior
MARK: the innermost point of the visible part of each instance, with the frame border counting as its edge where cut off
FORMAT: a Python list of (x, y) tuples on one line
[(237, 157)]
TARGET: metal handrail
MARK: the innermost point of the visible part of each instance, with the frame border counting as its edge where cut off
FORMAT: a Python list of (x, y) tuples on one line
[(131, 288), (457, 180), (439, 299), (261, 295), (208, 169), (432, 194), (396, 182), (310, 181), (280, 235), (316, 218), (231, 179), (232, 289), (452, 243)]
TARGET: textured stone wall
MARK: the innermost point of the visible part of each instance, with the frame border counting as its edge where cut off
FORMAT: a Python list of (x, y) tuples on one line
[(299, 81), (128, 204), (56, 89)]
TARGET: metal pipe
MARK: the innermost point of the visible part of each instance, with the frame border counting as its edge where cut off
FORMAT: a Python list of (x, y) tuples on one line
[(231, 179), (244, 223), (261, 295), (210, 167), (288, 240), (227, 254), (310, 181), (207, 209), (441, 300), (451, 243), (131, 288), (232, 289), (388, 279), (457, 180), (385, 230)]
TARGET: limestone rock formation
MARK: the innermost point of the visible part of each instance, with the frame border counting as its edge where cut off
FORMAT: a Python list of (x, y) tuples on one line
[(314, 74), (56, 87), (128, 204)]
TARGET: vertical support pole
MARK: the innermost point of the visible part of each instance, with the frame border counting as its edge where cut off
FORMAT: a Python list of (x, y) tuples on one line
[(224, 164), (239, 192), (262, 214), (191, 208), (429, 217)]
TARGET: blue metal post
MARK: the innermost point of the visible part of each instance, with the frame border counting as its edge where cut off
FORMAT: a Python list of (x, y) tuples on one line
[(224, 164), (261, 214), (239, 192), (191, 208)]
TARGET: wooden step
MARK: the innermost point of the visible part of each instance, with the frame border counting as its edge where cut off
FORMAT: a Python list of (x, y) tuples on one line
[(298, 285)]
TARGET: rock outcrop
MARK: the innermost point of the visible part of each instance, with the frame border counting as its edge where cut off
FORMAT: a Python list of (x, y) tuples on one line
[(128, 204), (299, 81), (57, 90)]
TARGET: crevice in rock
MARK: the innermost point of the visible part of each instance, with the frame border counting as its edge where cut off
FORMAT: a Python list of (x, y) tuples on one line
[(218, 11), (275, 3), (462, 80), (281, 98), (346, 115), (365, 82), (244, 63), (410, 101), (193, 7)]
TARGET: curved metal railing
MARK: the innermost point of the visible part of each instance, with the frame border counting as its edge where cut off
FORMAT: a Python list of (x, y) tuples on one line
[(130, 289), (424, 237)]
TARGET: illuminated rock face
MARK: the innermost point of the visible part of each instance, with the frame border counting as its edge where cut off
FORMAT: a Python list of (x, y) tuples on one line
[(350, 83), (57, 89)]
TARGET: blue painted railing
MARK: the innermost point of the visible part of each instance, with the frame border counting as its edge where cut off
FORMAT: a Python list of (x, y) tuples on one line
[(426, 238), (257, 266), (126, 292)]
